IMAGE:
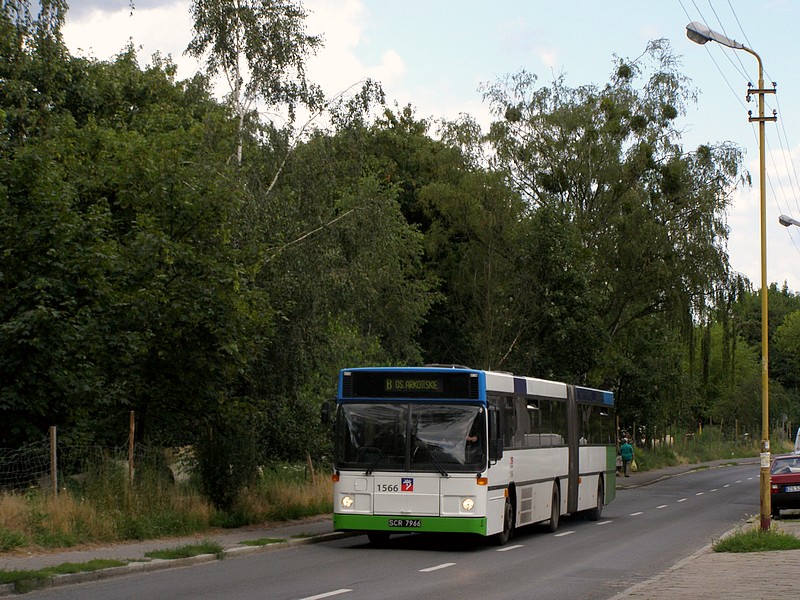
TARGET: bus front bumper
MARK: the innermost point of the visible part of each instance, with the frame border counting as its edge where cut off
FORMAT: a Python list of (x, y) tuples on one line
[(406, 524)]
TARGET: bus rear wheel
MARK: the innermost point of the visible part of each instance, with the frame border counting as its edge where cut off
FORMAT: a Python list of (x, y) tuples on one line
[(595, 513), (555, 510)]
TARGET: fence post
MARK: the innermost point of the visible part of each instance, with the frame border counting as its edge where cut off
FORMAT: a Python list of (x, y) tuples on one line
[(53, 460), (130, 447)]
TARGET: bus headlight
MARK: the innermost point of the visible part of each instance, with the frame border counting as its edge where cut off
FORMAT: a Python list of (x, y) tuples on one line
[(468, 504), (347, 501)]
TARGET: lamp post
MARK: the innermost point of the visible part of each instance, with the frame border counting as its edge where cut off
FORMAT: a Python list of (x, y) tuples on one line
[(700, 34), (788, 221)]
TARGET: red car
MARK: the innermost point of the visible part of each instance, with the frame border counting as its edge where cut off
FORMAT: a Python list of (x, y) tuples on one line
[(784, 475)]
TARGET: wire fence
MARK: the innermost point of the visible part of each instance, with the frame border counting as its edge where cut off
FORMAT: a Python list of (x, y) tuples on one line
[(49, 465)]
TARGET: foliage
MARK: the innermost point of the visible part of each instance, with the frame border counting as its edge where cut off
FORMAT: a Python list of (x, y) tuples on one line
[(26, 581), (753, 539), (227, 461), (143, 270), (262, 40), (204, 547), (9, 540)]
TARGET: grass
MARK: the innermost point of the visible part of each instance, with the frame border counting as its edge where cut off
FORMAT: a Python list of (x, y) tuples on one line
[(105, 508), (754, 539), (204, 547), (263, 542), (693, 450), (26, 581)]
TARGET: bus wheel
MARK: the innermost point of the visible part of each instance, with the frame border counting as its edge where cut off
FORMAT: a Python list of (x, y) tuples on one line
[(555, 511), (501, 539), (378, 538), (595, 513)]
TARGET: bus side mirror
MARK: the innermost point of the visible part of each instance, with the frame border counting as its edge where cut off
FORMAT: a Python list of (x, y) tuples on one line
[(495, 437)]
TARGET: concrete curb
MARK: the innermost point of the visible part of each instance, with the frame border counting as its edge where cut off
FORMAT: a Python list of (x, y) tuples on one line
[(158, 564)]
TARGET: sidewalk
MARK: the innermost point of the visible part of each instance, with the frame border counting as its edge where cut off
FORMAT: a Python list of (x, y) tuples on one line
[(705, 574), (720, 575)]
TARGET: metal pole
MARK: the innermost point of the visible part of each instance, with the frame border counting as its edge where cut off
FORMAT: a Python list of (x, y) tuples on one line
[(701, 34), (130, 446), (53, 460), (766, 509)]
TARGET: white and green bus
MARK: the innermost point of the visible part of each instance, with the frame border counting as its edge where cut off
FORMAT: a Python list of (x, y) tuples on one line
[(453, 449)]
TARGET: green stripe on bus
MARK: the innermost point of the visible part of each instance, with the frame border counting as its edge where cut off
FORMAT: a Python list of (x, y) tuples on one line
[(611, 473), (426, 524)]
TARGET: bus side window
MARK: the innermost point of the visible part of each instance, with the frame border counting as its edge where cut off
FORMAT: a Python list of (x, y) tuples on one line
[(509, 421), (495, 434)]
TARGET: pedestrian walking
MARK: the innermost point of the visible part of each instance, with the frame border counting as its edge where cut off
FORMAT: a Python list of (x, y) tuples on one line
[(626, 452)]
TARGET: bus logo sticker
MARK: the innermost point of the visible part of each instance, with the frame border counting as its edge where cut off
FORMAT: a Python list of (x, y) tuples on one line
[(407, 484)]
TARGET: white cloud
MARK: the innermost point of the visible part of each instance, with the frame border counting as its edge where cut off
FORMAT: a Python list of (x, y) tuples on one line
[(549, 57), (103, 34)]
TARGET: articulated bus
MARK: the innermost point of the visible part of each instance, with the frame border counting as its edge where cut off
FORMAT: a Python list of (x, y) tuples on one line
[(453, 449)]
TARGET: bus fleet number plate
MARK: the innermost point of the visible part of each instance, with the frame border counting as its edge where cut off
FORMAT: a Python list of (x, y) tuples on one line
[(405, 522)]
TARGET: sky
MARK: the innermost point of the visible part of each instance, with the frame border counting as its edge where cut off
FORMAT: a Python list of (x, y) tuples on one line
[(435, 54)]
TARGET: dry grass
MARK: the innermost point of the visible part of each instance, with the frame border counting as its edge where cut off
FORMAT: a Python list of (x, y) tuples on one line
[(13, 511), (110, 511), (288, 499)]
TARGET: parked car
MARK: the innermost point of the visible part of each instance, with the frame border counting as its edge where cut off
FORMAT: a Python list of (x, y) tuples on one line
[(784, 475)]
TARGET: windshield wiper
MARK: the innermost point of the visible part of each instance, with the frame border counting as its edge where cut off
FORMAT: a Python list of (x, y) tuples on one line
[(374, 462), (434, 460)]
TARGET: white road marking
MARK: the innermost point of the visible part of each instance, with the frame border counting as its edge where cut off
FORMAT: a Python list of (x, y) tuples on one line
[(507, 548), (327, 594), (714, 490), (682, 500), (636, 514), (564, 533), (699, 493), (437, 567), (604, 522), (662, 506)]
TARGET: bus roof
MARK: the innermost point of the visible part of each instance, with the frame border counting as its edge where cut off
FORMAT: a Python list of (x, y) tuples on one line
[(503, 382)]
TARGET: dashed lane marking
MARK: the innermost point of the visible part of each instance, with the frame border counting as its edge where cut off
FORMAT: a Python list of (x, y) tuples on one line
[(327, 594), (437, 567), (507, 548)]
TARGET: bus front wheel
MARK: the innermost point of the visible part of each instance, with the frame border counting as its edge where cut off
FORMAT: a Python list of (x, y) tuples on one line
[(501, 539)]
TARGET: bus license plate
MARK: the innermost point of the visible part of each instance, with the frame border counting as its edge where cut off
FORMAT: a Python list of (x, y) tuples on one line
[(792, 488), (405, 522)]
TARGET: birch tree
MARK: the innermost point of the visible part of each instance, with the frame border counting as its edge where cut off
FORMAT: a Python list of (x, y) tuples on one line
[(260, 47)]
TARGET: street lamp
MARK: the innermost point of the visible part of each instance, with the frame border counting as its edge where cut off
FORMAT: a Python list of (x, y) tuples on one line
[(699, 33), (787, 221)]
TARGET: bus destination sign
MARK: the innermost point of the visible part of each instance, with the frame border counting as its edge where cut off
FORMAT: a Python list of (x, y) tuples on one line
[(406, 385), (409, 384)]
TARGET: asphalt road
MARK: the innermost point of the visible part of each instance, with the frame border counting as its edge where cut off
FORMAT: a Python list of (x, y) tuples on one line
[(643, 532)]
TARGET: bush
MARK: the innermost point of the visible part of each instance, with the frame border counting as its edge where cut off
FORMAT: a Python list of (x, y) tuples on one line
[(227, 461)]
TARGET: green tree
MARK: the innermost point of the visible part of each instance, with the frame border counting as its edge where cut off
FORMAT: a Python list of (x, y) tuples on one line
[(260, 46), (649, 217), (785, 354), (122, 287)]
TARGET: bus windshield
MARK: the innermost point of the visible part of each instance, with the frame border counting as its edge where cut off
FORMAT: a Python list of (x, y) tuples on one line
[(418, 437)]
